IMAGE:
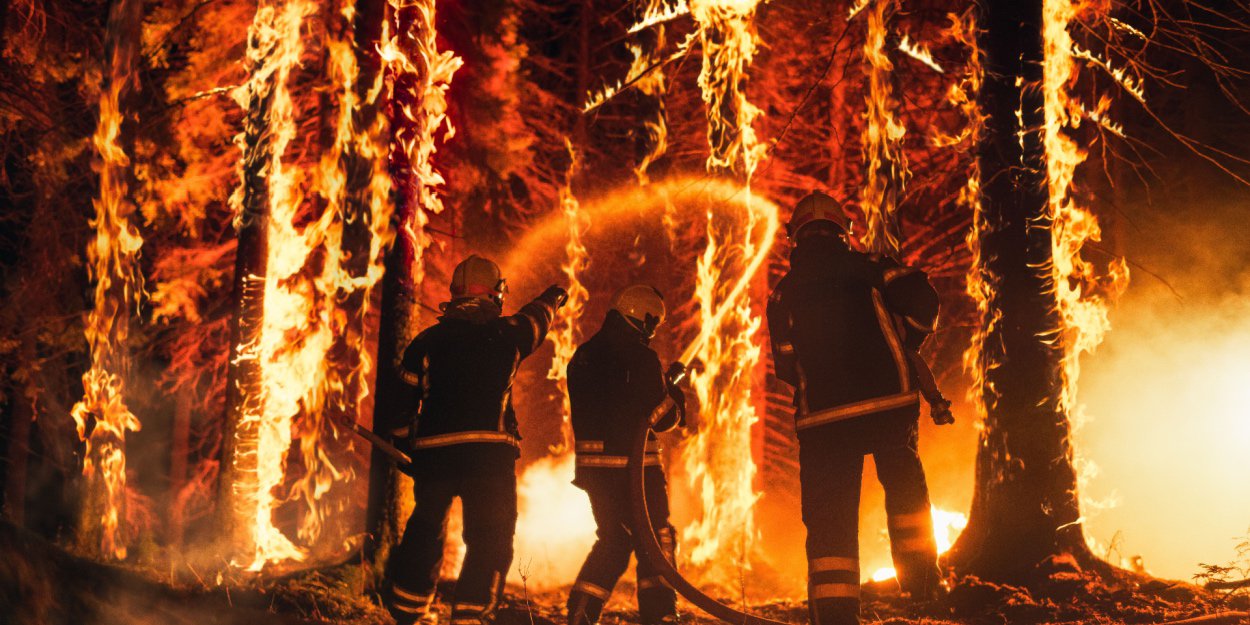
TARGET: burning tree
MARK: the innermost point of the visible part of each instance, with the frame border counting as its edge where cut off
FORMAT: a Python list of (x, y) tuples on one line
[(1038, 299)]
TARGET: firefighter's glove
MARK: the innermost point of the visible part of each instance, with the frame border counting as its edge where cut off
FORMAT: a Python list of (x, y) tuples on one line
[(940, 411), (401, 438), (676, 374), (556, 296)]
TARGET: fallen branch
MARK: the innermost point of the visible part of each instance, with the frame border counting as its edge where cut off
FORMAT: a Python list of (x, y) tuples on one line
[(1228, 585), (1221, 618)]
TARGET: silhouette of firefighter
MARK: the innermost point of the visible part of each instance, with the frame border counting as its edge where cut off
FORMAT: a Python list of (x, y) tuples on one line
[(464, 442), (845, 327), (615, 382)]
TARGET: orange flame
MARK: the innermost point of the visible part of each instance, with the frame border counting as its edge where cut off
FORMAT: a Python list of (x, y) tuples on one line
[(882, 139), (651, 81), (947, 526), (113, 264), (564, 338), (981, 285), (420, 77), (337, 281), (718, 458), (1083, 321), (289, 369)]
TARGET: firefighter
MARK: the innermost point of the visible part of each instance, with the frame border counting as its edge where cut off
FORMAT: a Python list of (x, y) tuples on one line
[(844, 327), (464, 442), (615, 382)]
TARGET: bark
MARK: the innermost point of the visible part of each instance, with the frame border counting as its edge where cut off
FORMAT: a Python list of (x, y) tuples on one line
[(109, 354), (243, 377), (397, 325), (18, 453), (179, 450), (1025, 505)]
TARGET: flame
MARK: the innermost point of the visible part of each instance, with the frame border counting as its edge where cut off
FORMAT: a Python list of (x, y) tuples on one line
[(348, 200), (718, 458), (658, 12), (729, 207), (882, 139), (548, 555), (919, 52), (567, 331), (113, 265), (289, 368), (650, 83), (947, 526), (420, 75), (1082, 310), (981, 284)]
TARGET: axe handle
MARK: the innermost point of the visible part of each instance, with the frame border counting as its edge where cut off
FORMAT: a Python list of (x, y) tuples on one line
[(381, 444)]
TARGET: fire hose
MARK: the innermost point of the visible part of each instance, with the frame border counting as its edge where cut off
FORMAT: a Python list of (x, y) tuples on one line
[(649, 544)]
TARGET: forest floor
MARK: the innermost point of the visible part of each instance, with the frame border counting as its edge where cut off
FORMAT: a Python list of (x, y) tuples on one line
[(41, 584)]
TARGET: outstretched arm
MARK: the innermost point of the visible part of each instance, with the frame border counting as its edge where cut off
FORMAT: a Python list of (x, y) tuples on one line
[(529, 326)]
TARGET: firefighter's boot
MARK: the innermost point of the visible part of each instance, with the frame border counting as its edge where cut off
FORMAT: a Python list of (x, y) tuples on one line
[(586, 603), (410, 608), (915, 554), (657, 601)]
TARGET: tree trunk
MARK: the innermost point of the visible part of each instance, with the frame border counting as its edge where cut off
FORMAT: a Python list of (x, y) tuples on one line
[(244, 374), (102, 416), (401, 295), (179, 450), (1025, 507), (18, 453)]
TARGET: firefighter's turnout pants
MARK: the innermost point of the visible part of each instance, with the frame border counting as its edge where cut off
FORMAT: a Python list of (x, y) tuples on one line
[(610, 502), (489, 502), (831, 464)]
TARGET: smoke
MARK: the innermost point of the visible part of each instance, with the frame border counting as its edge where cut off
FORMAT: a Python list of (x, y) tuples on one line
[(1169, 395)]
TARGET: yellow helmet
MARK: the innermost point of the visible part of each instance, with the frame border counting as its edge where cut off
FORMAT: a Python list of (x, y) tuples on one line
[(641, 305), (816, 207), (479, 278)]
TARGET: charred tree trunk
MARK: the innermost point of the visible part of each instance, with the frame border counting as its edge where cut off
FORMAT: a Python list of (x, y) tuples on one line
[(102, 416), (400, 294), (244, 375), (18, 452), (1025, 507), (179, 451)]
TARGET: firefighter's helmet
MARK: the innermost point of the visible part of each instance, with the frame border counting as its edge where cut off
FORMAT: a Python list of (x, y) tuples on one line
[(478, 277), (816, 207), (641, 305)]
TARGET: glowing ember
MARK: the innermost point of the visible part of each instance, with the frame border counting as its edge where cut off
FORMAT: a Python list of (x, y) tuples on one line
[(113, 265)]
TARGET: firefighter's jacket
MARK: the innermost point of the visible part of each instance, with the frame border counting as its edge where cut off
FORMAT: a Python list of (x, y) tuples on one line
[(839, 323), (460, 373), (615, 381)]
